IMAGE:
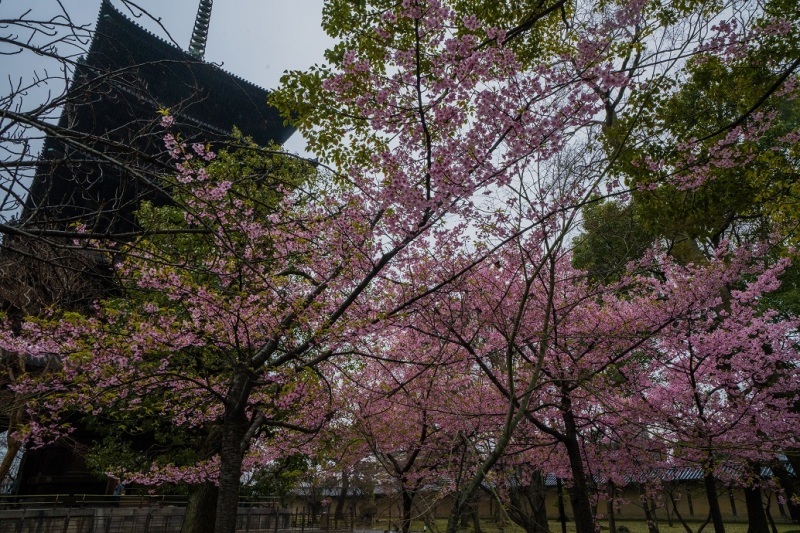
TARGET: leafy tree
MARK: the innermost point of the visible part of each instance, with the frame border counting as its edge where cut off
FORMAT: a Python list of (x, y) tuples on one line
[(279, 478), (401, 413), (51, 275), (459, 168), (79, 150), (612, 236), (709, 124), (256, 181)]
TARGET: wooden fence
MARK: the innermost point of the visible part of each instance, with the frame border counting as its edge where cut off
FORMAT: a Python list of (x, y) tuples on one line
[(63, 517)]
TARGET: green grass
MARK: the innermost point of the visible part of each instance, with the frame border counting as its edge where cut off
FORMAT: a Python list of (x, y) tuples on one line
[(634, 526), (637, 526)]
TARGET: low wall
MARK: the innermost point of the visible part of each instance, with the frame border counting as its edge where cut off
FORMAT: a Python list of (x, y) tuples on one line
[(140, 520)]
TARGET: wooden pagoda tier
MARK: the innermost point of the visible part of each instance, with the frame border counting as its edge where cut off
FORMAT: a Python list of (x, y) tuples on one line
[(107, 151)]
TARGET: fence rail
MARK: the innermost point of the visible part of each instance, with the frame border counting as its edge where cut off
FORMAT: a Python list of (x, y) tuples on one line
[(47, 501), (27, 518)]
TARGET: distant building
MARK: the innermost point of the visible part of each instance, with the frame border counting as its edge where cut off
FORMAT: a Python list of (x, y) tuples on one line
[(107, 150)]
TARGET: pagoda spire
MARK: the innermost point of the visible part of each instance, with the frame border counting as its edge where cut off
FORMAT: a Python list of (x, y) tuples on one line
[(197, 46)]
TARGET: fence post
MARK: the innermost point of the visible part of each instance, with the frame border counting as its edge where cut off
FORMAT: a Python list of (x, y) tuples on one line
[(21, 521), (109, 517), (147, 520)]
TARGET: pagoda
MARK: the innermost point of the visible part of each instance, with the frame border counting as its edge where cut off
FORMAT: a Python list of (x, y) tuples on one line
[(107, 150), (107, 154)]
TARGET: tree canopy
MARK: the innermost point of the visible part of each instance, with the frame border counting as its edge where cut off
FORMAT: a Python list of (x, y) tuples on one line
[(539, 234)]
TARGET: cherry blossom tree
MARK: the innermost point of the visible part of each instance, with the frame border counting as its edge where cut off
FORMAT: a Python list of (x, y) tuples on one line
[(419, 408), (279, 294), (721, 385), (457, 171), (158, 349)]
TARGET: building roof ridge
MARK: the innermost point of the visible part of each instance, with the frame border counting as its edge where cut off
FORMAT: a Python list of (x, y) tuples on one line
[(187, 55)]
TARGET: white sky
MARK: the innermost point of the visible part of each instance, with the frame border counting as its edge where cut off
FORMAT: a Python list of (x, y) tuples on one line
[(255, 39)]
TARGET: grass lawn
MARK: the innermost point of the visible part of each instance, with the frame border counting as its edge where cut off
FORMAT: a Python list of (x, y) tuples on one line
[(634, 526)]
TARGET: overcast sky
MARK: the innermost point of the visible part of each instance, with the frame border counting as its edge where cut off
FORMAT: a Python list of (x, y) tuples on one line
[(255, 39)]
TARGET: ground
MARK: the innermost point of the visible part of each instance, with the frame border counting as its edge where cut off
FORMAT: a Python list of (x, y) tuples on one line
[(634, 526)]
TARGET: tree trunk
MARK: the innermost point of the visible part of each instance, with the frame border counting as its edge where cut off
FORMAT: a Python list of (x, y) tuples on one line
[(773, 528), (315, 513), (13, 444), (234, 429), (756, 519), (476, 521), (562, 515), (713, 503), (529, 512), (202, 508), (649, 512), (456, 514), (342, 499), (612, 520), (678, 513), (12, 449), (579, 492), (408, 502), (789, 490)]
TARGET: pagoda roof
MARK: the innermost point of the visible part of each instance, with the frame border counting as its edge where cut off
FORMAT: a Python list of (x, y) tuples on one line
[(109, 136), (199, 91)]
